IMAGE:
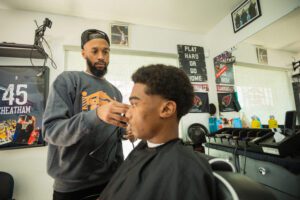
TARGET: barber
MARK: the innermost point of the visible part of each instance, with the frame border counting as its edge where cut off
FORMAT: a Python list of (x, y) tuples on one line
[(81, 124)]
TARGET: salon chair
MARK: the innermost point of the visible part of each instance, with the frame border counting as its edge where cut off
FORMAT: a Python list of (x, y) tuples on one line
[(235, 186), (6, 186), (231, 185)]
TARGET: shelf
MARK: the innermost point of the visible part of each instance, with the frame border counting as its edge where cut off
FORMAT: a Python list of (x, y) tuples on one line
[(22, 51)]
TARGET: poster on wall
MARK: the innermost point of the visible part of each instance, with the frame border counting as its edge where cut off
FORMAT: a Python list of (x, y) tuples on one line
[(227, 99), (201, 101), (223, 65), (23, 92), (192, 61)]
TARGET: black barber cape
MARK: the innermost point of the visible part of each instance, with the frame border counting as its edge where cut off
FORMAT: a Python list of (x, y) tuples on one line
[(168, 172)]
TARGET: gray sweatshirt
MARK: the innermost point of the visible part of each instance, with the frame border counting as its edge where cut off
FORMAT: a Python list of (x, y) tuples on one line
[(73, 130)]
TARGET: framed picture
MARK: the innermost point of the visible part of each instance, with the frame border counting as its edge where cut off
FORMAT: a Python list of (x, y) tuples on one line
[(245, 13), (119, 34), (23, 93), (262, 55)]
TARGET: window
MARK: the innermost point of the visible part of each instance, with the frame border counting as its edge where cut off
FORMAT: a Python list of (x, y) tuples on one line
[(264, 92)]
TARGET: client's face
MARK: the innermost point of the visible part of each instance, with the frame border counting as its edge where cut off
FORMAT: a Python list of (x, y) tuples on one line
[(144, 113)]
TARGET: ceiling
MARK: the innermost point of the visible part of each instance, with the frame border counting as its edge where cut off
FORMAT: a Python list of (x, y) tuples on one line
[(284, 34), (198, 16)]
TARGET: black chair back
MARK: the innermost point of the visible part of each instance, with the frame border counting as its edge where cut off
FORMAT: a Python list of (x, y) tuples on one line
[(6, 186), (235, 186)]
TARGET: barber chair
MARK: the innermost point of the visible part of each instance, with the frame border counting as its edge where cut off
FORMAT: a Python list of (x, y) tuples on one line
[(196, 132), (230, 185), (6, 186), (235, 186), (220, 164)]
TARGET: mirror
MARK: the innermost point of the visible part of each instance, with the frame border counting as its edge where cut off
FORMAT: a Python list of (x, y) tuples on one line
[(263, 69)]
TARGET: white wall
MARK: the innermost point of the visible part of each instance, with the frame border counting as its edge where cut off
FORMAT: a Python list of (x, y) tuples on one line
[(246, 53), (19, 28), (28, 166), (222, 37)]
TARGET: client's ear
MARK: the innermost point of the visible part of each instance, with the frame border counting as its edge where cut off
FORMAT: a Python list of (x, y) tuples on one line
[(83, 53), (168, 109)]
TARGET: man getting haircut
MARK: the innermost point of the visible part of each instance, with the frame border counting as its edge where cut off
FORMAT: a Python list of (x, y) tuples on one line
[(161, 167)]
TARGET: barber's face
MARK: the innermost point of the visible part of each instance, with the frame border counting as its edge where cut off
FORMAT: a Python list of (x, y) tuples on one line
[(144, 113), (96, 53)]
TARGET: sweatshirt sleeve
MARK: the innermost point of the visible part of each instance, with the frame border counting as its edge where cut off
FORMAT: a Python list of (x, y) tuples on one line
[(61, 126)]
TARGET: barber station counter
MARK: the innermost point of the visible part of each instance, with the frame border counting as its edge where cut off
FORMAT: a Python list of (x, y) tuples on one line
[(280, 174)]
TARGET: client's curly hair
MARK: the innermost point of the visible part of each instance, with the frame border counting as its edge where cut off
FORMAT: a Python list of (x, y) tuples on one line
[(169, 82)]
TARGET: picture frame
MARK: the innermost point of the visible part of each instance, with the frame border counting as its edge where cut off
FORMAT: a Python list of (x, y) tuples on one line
[(23, 96), (262, 55), (245, 13), (119, 34)]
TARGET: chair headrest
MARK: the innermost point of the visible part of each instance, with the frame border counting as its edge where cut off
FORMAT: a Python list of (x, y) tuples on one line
[(219, 164)]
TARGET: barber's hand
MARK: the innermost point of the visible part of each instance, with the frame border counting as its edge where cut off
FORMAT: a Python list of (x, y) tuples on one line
[(113, 113)]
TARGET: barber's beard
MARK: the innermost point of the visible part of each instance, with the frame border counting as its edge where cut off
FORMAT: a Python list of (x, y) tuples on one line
[(93, 69)]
